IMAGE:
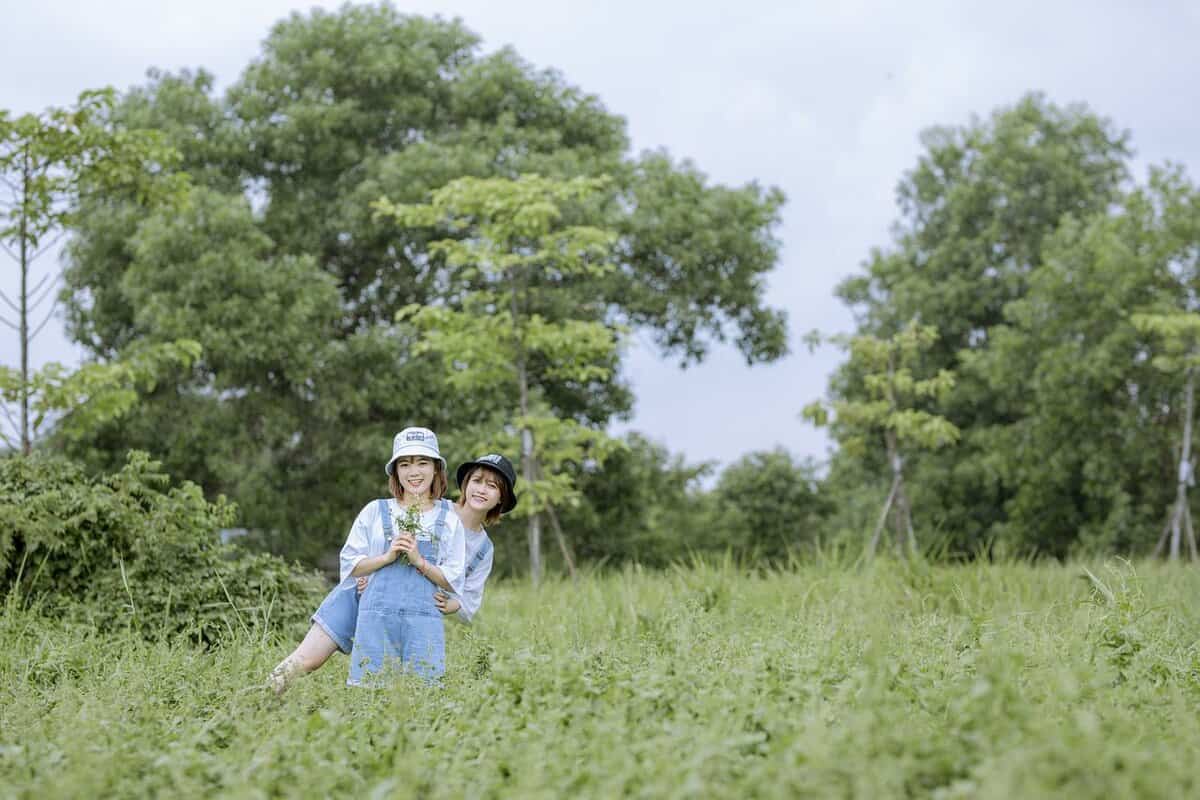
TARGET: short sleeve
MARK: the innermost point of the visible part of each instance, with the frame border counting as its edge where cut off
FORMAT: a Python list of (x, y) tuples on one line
[(358, 541), (452, 553), (471, 597)]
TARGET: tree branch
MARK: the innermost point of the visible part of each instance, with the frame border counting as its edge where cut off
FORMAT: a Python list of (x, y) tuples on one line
[(16, 428), (11, 254), (42, 251), (11, 304), (34, 303), (40, 283), (49, 314), (9, 324)]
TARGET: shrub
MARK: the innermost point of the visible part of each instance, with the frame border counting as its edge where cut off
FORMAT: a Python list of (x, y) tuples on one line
[(128, 549)]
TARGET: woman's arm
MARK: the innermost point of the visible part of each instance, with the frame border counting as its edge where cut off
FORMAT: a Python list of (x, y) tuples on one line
[(408, 545), (448, 573), (369, 564), (358, 543), (472, 594)]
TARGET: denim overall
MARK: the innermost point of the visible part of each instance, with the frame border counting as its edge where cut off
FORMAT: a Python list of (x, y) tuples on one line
[(398, 626), (394, 618)]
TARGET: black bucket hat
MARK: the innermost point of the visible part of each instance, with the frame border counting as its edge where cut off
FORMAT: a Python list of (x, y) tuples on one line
[(500, 464)]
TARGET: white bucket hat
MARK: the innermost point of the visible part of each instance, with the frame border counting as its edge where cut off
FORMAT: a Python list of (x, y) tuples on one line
[(415, 442)]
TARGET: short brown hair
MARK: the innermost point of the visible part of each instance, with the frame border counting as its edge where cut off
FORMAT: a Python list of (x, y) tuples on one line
[(437, 489), (493, 515)]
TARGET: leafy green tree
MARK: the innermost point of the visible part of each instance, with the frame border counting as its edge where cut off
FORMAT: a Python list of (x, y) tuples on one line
[(1179, 332), (1087, 460), (641, 505), (1175, 323), (48, 162), (766, 505), (526, 324), (891, 408), (78, 402), (976, 214), (342, 108)]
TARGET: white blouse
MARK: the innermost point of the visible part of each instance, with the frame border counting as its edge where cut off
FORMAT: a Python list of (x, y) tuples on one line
[(478, 570), (366, 538)]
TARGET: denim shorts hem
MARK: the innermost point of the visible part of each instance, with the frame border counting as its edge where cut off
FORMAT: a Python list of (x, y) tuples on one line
[(341, 642)]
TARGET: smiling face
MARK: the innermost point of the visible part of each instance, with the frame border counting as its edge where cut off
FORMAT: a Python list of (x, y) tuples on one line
[(414, 476), (484, 492)]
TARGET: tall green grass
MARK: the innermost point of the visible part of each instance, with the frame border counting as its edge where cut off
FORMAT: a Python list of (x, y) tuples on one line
[(895, 680)]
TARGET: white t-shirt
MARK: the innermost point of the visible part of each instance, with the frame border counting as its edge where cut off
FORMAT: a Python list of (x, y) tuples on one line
[(366, 538), (479, 566)]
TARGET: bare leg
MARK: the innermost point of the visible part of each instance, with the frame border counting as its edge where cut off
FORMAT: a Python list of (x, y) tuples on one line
[(308, 656)]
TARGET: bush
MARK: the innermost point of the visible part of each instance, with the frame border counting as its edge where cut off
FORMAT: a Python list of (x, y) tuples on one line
[(127, 549), (767, 506)]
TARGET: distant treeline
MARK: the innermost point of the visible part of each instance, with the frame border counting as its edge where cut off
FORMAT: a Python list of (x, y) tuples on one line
[(1060, 290)]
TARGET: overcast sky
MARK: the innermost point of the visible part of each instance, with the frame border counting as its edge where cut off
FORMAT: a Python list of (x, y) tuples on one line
[(824, 100)]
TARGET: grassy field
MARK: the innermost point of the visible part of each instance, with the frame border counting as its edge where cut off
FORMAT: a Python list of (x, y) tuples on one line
[(894, 681)]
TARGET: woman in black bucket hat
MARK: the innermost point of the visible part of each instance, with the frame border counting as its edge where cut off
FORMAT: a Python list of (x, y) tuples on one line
[(486, 491)]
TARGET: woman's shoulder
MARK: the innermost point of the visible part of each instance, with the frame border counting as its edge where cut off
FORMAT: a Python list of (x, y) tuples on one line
[(451, 511), (478, 541), (370, 510)]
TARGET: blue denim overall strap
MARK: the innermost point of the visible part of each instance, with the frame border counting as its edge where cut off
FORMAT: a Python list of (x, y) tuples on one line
[(398, 625), (479, 556), (338, 612)]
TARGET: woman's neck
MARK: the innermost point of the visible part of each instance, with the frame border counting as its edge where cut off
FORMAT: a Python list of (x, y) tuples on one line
[(424, 502), (471, 518)]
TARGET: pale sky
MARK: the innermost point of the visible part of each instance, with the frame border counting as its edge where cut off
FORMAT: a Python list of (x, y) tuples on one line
[(824, 100)]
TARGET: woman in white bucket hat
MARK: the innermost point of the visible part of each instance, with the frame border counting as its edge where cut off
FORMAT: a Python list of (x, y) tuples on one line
[(395, 623)]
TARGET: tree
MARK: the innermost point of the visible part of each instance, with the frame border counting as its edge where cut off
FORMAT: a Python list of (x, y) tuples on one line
[(975, 216), (1088, 461), (339, 110), (641, 505), (766, 505), (526, 323), (79, 402), (1180, 333), (1177, 328), (48, 162), (890, 408)]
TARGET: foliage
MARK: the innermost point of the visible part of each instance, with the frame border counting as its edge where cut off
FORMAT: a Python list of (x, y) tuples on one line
[(886, 368), (51, 162), (94, 395), (124, 551), (526, 324), (280, 248), (766, 507), (897, 681), (50, 159), (981, 218), (640, 505), (1088, 455)]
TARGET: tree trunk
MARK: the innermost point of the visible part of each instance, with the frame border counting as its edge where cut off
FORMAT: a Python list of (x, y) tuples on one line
[(1184, 477), (887, 506), (906, 540), (528, 463), (535, 519), (563, 547), (26, 440)]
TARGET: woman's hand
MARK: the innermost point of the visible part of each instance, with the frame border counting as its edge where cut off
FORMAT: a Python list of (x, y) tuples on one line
[(406, 544), (445, 603), (361, 583), (396, 549)]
